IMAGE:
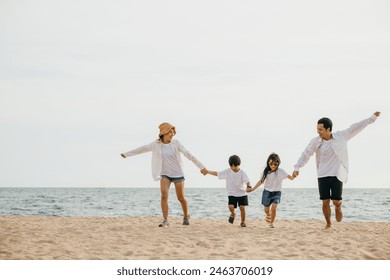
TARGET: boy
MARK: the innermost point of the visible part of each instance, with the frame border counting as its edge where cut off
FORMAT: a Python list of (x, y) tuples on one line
[(236, 179)]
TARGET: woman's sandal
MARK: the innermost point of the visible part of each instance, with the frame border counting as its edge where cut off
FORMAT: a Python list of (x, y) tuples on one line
[(186, 221), (164, 224)]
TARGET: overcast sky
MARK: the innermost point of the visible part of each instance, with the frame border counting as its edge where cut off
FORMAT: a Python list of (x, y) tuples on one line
[(83, 81)]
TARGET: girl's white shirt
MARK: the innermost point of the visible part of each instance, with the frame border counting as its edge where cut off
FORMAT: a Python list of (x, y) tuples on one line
[(273, 182), (157, 157), (339, 145)]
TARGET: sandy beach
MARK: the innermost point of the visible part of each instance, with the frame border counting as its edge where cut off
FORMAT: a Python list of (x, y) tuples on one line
[(95, 238)]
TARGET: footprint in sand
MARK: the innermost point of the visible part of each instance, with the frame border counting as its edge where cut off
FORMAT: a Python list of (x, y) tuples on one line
[(203, 244)]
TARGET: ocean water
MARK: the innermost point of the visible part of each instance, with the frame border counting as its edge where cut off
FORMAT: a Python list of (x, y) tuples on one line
[(296, 204)]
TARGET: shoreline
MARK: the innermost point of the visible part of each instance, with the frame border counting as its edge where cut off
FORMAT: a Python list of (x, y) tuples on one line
[(140, 238)]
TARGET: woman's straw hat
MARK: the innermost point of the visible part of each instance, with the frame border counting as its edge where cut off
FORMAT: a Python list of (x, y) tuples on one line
[(165, 128)]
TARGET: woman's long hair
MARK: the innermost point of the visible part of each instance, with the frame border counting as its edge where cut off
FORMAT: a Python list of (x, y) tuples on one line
[(275, 158)]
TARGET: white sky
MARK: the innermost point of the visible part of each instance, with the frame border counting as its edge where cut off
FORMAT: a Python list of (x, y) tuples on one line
[(83, 81)]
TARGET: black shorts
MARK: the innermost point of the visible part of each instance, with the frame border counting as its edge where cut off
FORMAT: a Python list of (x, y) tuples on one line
[(330, 188), (240, 200)]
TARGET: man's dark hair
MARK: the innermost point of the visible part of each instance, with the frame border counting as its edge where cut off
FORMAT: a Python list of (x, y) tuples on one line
[(326, 122), (234, 160)]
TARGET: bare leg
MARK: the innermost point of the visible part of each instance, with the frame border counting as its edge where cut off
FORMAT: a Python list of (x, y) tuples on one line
[(327, 213), (267, 214), (231, 209), (180, 196), (164, 188), (243, 213), (339, 212), (274, 206)]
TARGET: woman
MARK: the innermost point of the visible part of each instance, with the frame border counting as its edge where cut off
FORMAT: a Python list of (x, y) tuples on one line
[(167, 167)]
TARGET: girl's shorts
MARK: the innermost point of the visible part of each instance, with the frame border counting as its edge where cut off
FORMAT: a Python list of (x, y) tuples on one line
[(270, 197)]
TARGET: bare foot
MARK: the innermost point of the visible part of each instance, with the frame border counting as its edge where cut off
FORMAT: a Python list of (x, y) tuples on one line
[(328, 227), (268, 219), (339, 214)]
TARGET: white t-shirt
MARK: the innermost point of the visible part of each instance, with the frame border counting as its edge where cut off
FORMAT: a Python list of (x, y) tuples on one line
[(329, 163), (273, 182), (170, 164), (235, 182)]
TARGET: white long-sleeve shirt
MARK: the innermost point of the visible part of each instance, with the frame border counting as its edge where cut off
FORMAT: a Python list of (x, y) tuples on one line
[(339, 145), (157, 159)]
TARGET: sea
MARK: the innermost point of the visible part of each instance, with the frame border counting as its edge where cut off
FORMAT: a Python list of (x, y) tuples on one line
[(359, 204)]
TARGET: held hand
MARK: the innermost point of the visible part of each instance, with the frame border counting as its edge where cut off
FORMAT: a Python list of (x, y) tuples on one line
[(248, 189), (204, 171), (377, 114), (295, 174)]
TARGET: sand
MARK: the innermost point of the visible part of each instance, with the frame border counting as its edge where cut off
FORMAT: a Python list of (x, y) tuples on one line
[(140, 238)]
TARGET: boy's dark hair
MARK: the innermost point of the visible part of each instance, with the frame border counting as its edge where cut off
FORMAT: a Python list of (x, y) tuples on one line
[(234, 160), (326, 122)]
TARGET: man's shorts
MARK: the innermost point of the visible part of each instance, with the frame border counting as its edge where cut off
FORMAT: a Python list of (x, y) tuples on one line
[(240, 200), (330, 188), (270, 197)]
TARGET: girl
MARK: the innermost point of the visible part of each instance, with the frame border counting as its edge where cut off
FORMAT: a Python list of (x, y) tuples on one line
[(272, 178), (167, 167)]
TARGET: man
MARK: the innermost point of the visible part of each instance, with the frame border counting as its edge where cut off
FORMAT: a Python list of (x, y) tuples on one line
[(332, 162)]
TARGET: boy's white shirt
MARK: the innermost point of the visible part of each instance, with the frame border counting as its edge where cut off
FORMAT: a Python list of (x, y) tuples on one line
[(339, 144), (273, 182), (155, 148), (235, 181)]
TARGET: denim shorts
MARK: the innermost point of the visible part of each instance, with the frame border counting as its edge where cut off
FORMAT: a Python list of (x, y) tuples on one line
[(270, 197), (173, 179)]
